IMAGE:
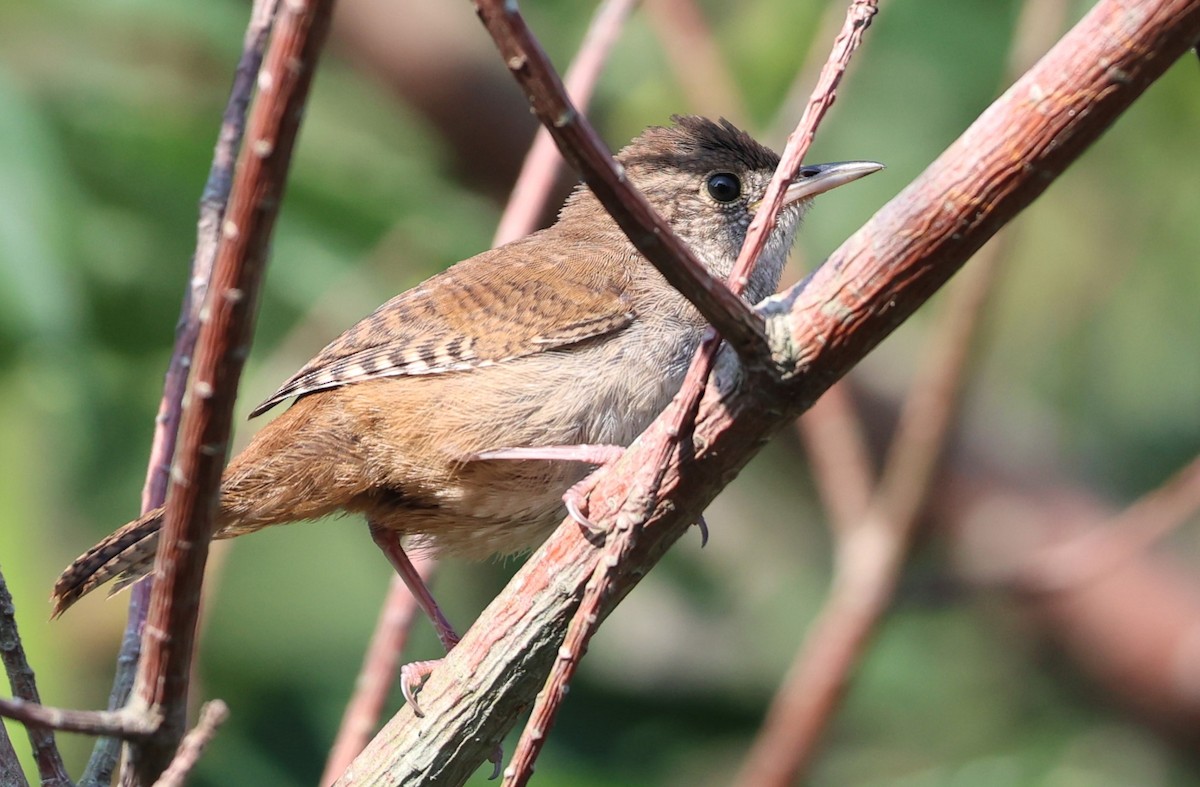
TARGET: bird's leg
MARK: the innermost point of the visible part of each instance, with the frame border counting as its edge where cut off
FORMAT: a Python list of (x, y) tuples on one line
[(411, 675), (414, 673), (574, 498), (587, 454)]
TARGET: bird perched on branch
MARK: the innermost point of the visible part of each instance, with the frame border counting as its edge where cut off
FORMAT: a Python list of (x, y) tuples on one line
[(568, 337)]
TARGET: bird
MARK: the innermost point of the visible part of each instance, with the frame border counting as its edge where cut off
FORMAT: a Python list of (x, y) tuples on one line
[(567, 337)]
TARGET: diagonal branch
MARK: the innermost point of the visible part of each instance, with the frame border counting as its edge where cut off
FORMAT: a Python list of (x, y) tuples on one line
[(531, 194), (822, 328), (212, 716), (582, 147)]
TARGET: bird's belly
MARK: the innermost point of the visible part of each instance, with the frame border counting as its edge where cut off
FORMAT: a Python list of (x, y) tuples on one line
[(475, 508)]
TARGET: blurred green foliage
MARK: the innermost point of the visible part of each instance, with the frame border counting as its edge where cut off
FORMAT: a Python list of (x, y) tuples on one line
[(108, 113)]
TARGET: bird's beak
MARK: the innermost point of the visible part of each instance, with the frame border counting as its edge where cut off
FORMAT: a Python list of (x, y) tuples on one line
[(818, 178)]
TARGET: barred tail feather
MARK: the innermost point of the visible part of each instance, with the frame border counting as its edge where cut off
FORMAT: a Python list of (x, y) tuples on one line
[(126, 555)]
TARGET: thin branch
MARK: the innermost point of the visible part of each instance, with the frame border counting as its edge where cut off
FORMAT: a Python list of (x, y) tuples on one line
[(377, 677), (222, 345), (1100, 551), (839, 457), (858, 19), (796, 100), (125, 724), (212, 716), (871, 284), (582, 147), (871, 552), (24, 688), (212, 210), (543, 163)]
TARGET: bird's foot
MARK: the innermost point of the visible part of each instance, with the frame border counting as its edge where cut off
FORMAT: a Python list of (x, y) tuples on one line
[(412, 675)]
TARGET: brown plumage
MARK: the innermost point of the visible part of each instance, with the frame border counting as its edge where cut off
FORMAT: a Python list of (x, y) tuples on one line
[(565, 337)]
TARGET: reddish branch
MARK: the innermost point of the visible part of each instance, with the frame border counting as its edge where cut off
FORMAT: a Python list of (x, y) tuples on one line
[(877, 279), (212, 715), (530, 196), (584, 150), (872, 548), (221, 348)]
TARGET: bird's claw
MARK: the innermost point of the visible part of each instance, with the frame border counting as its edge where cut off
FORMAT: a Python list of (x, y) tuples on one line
[(412, 675)]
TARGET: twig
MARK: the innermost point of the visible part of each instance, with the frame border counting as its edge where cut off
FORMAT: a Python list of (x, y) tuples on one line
[(858, 18), (104, 756), (581, 146), (643, 489), (795, 100), (377, 677), (871, 551), (543, 163), (838, 457), (125, 724), (212, 716), (24, 688), (1101, 551), (222, 344)]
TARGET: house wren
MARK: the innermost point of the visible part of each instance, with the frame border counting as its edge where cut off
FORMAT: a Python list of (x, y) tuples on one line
[(566, 337)]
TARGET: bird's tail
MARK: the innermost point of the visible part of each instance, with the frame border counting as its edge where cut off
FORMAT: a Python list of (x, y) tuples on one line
[(126, 555)]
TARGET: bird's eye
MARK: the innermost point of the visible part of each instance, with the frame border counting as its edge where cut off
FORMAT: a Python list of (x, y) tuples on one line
[(724, 187)]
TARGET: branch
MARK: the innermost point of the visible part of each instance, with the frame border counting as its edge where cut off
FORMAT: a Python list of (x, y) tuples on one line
[(221, 348), (166, 424), (582, 147), (872, 547), (1100, 551), (822, 328), (124, 724), (531, 193), (24, 688), (858, 19), (212, 715)]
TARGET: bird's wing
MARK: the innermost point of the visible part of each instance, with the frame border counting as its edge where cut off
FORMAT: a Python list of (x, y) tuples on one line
[(486, 310)]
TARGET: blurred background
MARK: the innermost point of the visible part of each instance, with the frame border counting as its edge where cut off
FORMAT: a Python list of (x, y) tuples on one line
[(1085, 393)]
